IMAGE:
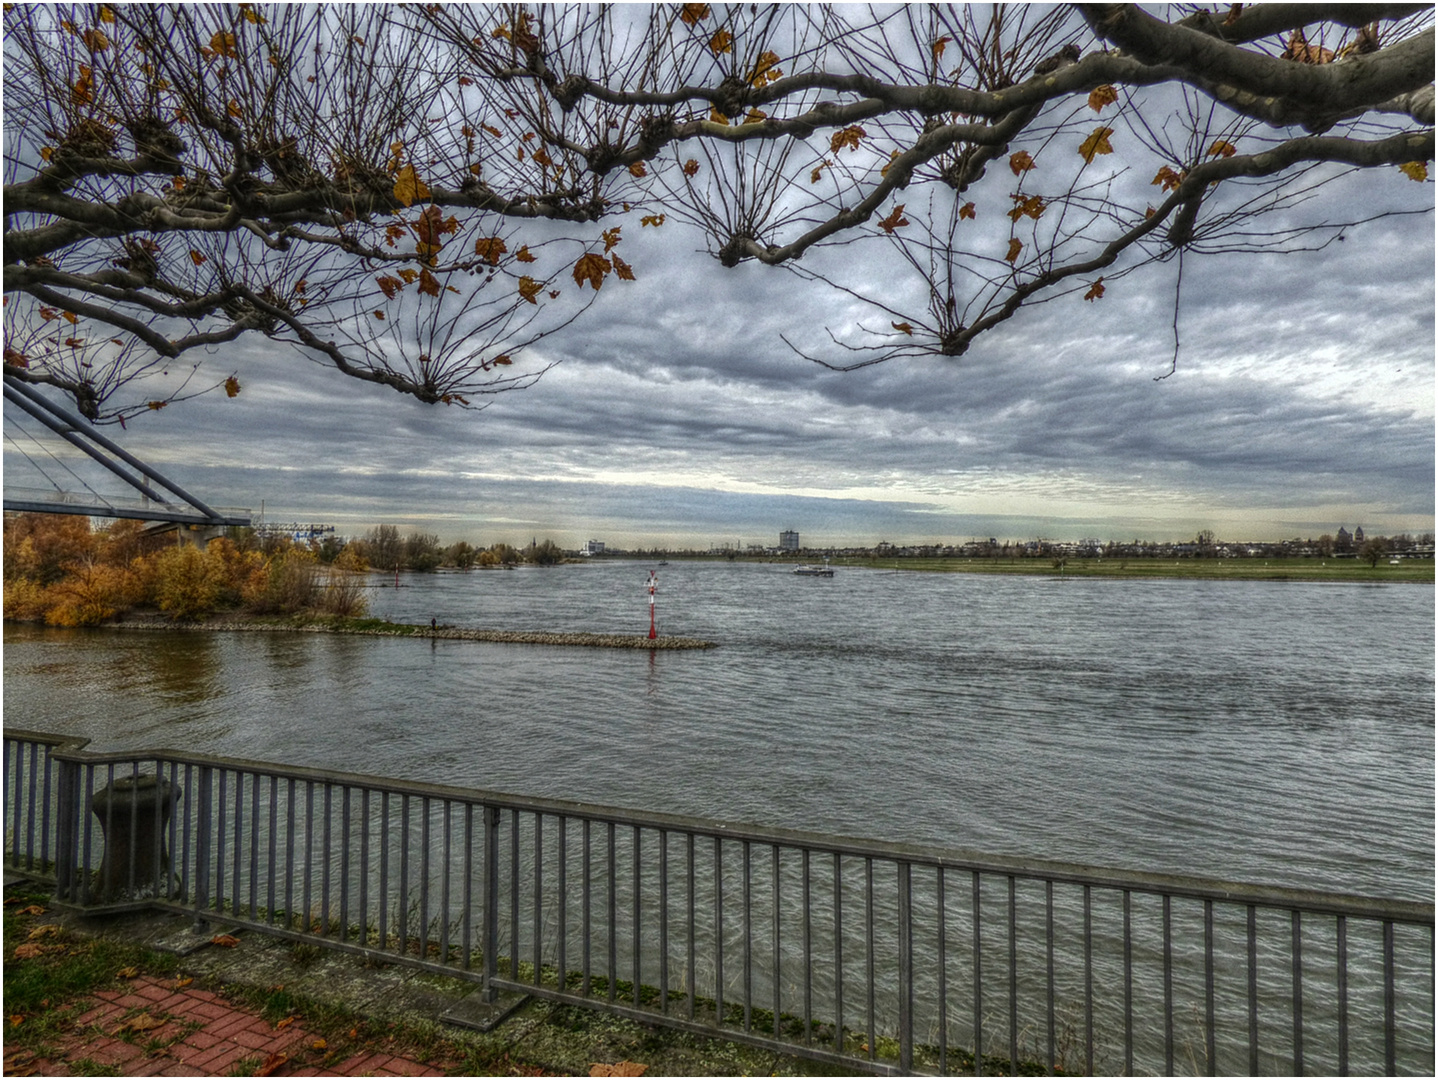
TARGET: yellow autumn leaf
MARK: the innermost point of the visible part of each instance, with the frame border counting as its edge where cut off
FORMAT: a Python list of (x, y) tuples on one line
[(523, 255), (967, 211), (591, 267), (1095, 291), (408, 187), (690, 14), (848, 136), (490, 248), (1014, 248), (1096, 143), (721, 42), (223, 42), (1101, 96), (622, 269), (1021, 162), (1414, 170), (232, 387), (1222, 148), (636, 168), (529, 289), (903, 328)]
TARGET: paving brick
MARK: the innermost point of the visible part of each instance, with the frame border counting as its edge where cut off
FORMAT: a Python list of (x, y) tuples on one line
[(176, 1069), (177, 1002), (209, 1010), (227, 1026), (99, 1014), (262, 1040), (133, 1001), (218, 1060), (112, 1052), (151, 991), (360, 1064), (201, 1040)]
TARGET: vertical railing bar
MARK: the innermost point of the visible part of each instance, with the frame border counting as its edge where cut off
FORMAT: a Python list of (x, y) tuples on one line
[(422, 931), (1342, 962), (906, 967), (636, 934), (236, 882), (1210, 1044), (585, 913), (514, 895), (693, 944), (305, 916), (157, 846), (1088, 979), (219, 885), (1127, 983), (749, 931), (538, 913), (808, 951), (401, 913), (869, 952), (15, 793), (202, 845), (272, 851), (446, 872), (838, 953), (382, 900), (490, 922), (1297, 958), (664, 922), (345, 835), (466, 924), (718, 931), (941, 930), (776, 963), (290, 854), (1049, 950), (1013, 975), (31, 791), (1167, 985), (45, 811), (363, 915), (561, 964), (326, 847), (1252, 990), (134, 827), (613, 910), (186, 879), (978, 987), (1390, 1027), (254, 847)]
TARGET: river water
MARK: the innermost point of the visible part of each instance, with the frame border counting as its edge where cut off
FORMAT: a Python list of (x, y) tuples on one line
[(1272, 732)]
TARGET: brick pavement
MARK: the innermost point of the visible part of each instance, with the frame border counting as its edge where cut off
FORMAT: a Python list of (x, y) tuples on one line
[(167, 1027)]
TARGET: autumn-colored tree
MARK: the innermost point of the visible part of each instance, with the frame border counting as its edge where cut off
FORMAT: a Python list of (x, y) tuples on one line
[(91, 592), (415, 194), (186, 583), (40, 546)]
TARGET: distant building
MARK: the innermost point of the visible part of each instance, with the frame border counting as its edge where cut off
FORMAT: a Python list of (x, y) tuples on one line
[(594, 547), (1358, 536), (788, 540)]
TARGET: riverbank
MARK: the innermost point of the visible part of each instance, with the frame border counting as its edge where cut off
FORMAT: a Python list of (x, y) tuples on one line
[(383, 628)]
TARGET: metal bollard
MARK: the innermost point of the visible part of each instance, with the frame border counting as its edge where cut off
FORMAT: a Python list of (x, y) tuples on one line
[(134, 813)]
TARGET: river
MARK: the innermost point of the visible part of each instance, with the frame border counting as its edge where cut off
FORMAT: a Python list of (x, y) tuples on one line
[(1271, 732)]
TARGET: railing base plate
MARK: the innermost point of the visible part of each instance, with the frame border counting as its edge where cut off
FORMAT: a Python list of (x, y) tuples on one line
[(476, 1014)]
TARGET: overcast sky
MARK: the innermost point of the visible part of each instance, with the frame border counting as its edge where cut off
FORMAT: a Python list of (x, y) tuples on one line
[(1303, 401)]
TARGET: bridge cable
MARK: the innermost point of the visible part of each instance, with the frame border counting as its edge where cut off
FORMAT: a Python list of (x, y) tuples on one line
[(78, 478)]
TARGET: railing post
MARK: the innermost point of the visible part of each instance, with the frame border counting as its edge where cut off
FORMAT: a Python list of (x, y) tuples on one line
[(491, 901), (906, 969), (202, 847)]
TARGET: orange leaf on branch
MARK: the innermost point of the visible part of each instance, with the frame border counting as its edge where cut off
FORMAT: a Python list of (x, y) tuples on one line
[(529, 289), (408, 187), (1021, 162), (1414, 170), (895, 220), (1097, 143), (232, 387), (523, 255), (591, 267), (691, 167), (848, 136), (611, 237), (428, 284), (764, 70), (903, 328), (1222, 148), (692, 14), (721, 42), (652, 219), (1167, 178), (622, 269), (1100, 96), (967, 212), (1015, 246), (490, 248), (1095, 291), (636, 168)]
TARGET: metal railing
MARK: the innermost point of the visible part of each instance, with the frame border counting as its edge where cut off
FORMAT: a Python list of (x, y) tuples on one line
[(877, 957)]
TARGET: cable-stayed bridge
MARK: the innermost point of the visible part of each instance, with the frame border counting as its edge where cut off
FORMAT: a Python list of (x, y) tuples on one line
[(159, 499)]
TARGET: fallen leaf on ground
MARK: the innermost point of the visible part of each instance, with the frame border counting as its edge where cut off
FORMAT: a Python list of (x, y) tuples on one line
[(229, 941), (286, 1022), (127, 973), (272, 1063), (30, 951), (623, 1068), (33, 909), (180, 984), (143, 1022), (319, 1044), (47, 930)]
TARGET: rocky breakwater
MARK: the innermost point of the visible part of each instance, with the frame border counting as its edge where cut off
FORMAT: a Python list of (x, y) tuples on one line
[(380, 628)]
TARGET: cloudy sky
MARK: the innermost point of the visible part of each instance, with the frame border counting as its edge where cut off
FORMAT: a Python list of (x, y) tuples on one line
[(1303, 400)]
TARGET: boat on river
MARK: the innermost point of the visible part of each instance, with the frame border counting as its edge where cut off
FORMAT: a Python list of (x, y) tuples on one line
[(811, 570)]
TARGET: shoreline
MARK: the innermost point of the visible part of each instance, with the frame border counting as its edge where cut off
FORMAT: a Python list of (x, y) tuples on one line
[(383, 628)]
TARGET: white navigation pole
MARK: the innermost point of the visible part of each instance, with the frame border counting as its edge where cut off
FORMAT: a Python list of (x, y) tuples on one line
[(653, 581)]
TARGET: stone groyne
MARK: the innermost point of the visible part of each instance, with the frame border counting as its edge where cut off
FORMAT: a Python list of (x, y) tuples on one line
[(443, 633)]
